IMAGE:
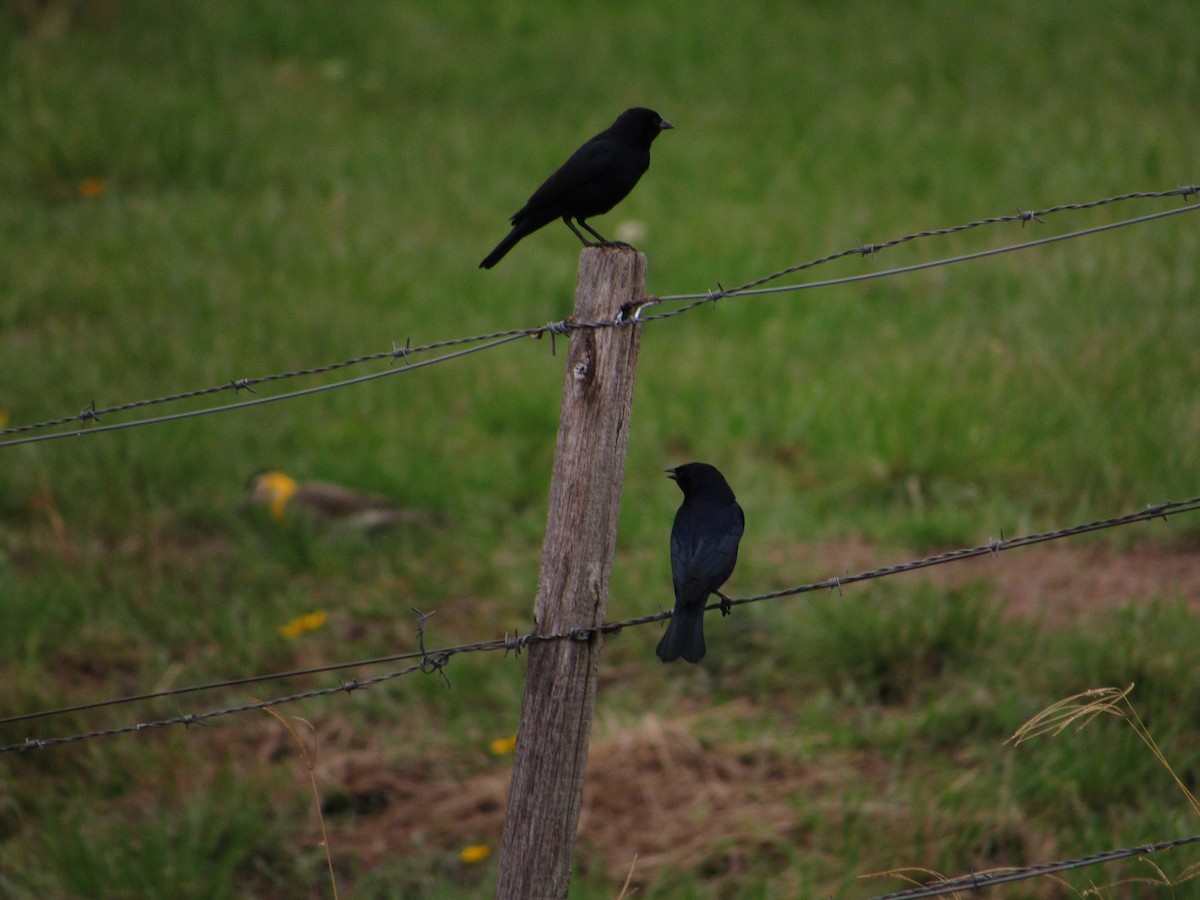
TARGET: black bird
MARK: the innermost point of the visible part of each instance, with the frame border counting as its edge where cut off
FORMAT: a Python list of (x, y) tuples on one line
[(597, 177), (704, 548)]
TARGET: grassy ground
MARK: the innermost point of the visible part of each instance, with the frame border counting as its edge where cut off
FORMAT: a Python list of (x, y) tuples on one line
[(201, 192)]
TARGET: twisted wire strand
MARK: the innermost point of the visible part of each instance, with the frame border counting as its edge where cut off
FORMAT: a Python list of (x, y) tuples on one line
[(1020, 873), (91, 415)]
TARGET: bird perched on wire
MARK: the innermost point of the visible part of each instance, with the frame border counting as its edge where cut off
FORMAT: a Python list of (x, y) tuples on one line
[(597, 177), (287, 501), (704, 549)]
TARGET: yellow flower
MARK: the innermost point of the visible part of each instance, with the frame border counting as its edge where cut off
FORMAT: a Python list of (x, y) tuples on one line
[(475, 853), (308, 622), (276, 489), (91, 188), (502, 746)]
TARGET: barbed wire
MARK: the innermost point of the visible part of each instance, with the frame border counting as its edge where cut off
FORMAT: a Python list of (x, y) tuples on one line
[(234, 682), (435, 661), (1186, 192), (91, 415), (1020, 873), (721, 294), (991, 548)]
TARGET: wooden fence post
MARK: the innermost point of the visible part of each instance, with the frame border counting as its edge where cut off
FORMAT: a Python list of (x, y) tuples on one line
[(546, 790)]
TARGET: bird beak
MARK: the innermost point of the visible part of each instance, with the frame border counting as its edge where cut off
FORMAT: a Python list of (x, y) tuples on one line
[(671, 474), (663, 125)]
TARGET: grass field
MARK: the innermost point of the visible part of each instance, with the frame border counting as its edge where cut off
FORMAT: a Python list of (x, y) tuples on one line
[(200, 192)]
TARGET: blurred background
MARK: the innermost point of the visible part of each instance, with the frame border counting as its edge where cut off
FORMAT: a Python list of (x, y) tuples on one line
[(200, 192)]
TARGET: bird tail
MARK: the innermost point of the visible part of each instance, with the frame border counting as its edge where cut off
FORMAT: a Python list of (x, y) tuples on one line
[(503, 247), (684, 637)]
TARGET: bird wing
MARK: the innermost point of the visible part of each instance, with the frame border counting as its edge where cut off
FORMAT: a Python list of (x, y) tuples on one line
[(332, 500), (585, 165), (702, 560), (354, 510)]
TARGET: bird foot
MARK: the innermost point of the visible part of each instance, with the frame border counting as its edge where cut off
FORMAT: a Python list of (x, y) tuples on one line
[(615, 244), (726, 604)]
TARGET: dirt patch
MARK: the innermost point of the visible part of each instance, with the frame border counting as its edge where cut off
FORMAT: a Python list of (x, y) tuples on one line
[(655, 798), (656, 795), (1064, 584)]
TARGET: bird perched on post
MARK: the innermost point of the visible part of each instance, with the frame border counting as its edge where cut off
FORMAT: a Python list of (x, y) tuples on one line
[(597, 177), (288, 500), (704, 548)]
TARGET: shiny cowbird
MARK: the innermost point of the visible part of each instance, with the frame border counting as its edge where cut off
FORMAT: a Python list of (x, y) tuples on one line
[(597, 177), (704, 548)]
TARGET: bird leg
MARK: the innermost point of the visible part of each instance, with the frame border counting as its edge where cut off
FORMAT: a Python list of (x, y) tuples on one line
[(592, 231), (586, 242), (601, 240), (726, 604)]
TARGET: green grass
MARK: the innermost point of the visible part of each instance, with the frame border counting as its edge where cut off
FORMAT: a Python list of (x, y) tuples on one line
[(286, 185)]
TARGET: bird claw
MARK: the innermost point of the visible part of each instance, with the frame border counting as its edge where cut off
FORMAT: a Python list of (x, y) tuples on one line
[(726, 606)]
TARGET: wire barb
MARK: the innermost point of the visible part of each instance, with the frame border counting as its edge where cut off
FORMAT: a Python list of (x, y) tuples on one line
[(1027, 217), (435, 662), (554, 329), (514, 644), (398, 351)]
